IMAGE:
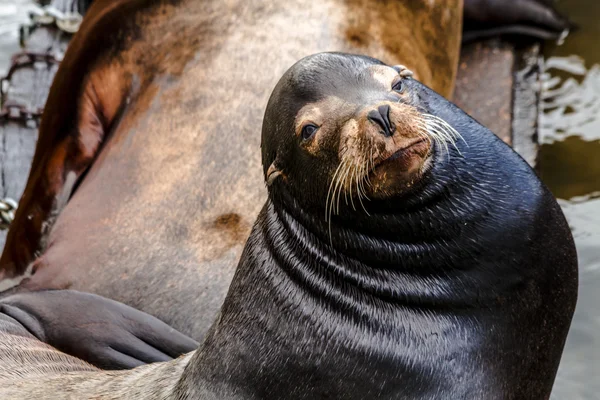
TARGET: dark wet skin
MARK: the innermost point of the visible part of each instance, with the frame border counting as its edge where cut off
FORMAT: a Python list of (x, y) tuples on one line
[(462, 286)]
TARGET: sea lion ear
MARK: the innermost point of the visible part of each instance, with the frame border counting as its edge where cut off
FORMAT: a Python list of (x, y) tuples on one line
[(273, 173)]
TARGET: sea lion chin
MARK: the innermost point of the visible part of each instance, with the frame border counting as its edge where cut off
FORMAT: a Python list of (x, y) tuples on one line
[(399, 172)]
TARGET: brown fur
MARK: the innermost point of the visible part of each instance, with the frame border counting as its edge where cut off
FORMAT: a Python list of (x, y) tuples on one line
[(31, 369)]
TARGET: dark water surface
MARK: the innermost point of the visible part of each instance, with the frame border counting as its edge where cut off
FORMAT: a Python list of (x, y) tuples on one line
[(569, 163)]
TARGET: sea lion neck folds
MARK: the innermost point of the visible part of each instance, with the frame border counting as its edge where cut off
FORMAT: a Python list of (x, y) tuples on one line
[(428, 292)]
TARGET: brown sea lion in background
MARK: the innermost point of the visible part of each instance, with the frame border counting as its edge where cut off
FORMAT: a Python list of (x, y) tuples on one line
[(446, 270), (146, 177)]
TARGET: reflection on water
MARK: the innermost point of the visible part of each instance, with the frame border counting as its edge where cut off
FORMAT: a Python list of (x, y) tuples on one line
[(566, 168), (580, 368), (585, 220), (571, 99), (570, 165)]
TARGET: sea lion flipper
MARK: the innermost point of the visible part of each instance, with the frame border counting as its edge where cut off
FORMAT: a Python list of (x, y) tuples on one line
[(103, 332), (533, 18)]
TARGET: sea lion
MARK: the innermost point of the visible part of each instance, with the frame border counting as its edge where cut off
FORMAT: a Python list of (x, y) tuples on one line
[(108, 334), (146, 177), (453, 276)]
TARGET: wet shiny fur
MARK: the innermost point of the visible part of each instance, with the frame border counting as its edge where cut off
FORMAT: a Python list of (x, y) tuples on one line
[(461, 288)]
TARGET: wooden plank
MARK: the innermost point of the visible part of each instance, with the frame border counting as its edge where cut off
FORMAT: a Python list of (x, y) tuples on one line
[(484, 82), (526, 104)]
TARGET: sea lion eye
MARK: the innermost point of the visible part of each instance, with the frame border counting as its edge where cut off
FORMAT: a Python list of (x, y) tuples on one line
[(398, 86), (308, 131)]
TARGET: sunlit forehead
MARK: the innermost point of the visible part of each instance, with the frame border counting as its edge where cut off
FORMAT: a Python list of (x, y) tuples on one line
[(383, 74)]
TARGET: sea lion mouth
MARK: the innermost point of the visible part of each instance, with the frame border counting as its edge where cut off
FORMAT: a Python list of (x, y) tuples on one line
[(398, 171), (417, 147), (376, 166)]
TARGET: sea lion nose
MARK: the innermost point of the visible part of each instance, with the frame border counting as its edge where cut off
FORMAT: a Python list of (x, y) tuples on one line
[(381, 117)]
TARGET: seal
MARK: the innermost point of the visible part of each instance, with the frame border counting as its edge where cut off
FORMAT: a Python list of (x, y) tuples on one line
[(145, 180), (453, 276)]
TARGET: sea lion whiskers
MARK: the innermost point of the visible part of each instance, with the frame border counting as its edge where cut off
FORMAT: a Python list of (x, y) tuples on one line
[(438, 130), (342, 184), (445, 131), (328, 204), (330, 194), (367, 168), (441, 131), (347, 174), (357, 171), (448, 127), (360, 178), (439, 136), (371, 163), (350, 175), (360, 173), (337, 182)]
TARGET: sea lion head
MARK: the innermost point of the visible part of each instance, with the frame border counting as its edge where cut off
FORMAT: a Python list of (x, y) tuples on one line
[(350, 127)]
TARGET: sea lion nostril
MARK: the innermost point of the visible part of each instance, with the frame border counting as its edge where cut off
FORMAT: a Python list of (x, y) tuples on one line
[(381, 117), (385, 113)]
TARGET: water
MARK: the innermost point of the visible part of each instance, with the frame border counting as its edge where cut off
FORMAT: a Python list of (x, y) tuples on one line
[(570, 166), (569, 161)]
